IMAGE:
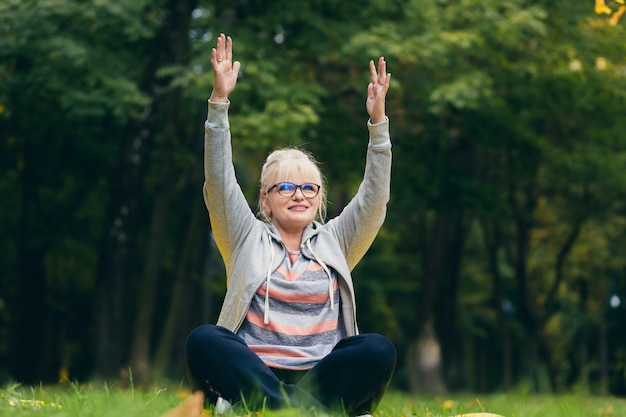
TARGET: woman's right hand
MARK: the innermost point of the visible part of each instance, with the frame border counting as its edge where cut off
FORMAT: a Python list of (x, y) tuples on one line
[(226, 71)]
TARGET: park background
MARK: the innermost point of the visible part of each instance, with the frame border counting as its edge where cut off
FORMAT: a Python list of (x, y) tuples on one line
[(501, 262)]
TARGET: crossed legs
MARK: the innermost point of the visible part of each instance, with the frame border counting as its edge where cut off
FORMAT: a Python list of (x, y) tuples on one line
[(353, 377)]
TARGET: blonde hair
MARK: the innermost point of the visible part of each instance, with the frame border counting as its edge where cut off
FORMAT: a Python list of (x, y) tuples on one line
[(283, 163)]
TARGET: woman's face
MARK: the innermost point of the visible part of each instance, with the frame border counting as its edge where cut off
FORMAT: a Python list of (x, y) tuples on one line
[(294, 213)]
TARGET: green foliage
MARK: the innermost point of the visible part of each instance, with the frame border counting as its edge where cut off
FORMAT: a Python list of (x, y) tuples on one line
[(72, 57), (495, 97)]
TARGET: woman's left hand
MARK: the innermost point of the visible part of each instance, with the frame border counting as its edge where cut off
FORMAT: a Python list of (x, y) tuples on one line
[(377, 91)]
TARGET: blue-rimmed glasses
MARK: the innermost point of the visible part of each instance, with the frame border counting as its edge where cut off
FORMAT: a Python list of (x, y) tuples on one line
[(288, 189)]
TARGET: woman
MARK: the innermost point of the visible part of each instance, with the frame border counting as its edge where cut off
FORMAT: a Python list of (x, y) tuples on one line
[(287, 334)]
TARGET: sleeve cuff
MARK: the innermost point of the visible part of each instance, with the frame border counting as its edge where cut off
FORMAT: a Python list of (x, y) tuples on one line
[(217, 115), (379, 133)]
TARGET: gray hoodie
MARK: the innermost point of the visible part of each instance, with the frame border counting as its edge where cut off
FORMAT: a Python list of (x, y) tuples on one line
[(252, 249)]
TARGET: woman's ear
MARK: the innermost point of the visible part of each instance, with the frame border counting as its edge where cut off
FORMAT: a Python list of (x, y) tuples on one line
[(266, 209)]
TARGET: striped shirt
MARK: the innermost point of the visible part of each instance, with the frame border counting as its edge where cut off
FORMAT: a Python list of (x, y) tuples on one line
[(302, 328)]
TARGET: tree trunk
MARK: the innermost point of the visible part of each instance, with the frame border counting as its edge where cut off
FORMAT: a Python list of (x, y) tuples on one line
[(140, 349), (189, 256), (445, 308), (170, 47), (523, 204), (427, 347), (424, 363), (493, 243), (30, 301), (175, 40), (116, 253), (434, 255), (603, 344), (30, 306)]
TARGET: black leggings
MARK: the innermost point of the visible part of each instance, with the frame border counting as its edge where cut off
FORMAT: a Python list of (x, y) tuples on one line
[(353, 377)]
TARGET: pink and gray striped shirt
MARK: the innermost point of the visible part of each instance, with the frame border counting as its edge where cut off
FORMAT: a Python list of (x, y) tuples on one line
[(303, 328)]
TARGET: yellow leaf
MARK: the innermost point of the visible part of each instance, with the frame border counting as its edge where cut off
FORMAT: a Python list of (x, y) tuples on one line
[(448, 404), (32, 403), (479, 415), (602, 8), (617, 15)]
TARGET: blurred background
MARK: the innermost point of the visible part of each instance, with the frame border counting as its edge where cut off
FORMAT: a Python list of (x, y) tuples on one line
[(501, 263)]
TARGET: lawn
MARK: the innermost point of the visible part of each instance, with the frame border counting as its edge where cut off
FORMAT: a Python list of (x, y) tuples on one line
[(107, 401)]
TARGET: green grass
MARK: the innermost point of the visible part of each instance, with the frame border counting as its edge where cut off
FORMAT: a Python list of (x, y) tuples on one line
[(106, 401)]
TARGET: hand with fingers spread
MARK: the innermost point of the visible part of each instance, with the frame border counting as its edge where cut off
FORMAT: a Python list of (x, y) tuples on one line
[(226, 70), (377, 90)]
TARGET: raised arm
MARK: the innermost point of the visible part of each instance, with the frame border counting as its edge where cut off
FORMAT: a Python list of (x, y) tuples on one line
[(226, 71), (359, 222), (377, 91), (231, 216)]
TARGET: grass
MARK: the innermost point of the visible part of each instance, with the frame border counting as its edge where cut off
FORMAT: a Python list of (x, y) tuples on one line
[(72, 400)]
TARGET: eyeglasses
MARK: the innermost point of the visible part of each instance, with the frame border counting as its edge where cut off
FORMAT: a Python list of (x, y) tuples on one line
[(288, 189)]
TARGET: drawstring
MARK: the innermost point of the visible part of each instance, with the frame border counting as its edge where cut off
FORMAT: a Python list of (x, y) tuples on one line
[(330, 277), (266, 315)]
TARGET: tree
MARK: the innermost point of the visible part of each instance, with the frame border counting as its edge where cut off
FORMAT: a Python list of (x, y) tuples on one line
[(494, 87), (59, 87)]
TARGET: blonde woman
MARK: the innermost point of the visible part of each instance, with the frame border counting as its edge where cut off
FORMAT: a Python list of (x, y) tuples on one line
[(287, 334)]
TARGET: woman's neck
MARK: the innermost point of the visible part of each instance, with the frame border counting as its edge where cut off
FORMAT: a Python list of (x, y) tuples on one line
[(291, 239), (292, 242), (291, 234)]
